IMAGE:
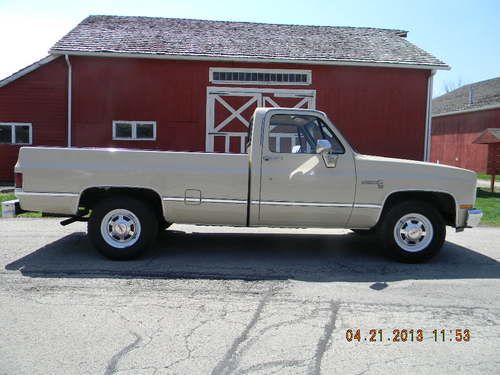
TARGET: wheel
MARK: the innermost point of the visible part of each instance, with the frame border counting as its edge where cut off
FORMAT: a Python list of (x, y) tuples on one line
[(412, 231), (122, 227)]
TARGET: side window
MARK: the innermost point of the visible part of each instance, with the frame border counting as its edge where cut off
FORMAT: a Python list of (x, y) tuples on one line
[(319, 130), (292, 134), (134, 130), (15, 133), (287, 138)]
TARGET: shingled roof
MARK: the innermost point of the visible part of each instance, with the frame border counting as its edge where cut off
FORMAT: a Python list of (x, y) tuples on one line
[(220, 40), (474, 97), (490, 135)]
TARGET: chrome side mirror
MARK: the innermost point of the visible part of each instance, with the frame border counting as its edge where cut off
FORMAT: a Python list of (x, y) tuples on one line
[(323, 146)]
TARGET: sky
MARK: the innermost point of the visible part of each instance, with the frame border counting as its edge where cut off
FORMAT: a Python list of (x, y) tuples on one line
[(464, 34)]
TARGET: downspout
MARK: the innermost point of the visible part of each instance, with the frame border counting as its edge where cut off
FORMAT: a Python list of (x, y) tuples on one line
[(69, 98), (428, 118)]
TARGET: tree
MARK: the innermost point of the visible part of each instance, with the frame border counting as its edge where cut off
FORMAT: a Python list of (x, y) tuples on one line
[(450, 85)]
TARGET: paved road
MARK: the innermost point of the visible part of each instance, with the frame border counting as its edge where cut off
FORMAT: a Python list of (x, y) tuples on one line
[(210, 300)]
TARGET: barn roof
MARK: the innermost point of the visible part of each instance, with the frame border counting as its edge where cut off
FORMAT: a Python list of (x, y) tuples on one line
[(221, 40), (474, 97)]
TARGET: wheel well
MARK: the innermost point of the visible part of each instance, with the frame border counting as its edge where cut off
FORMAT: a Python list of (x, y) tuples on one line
[(92, 196), (443, 202)]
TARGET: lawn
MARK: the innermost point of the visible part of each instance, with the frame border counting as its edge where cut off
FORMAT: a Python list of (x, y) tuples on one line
[(490, 204), (9, 196), (483, 176)]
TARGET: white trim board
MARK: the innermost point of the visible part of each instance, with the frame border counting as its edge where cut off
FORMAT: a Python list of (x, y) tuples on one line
[(239, 91), (212, 70), (485, 108), (277, 60), (28, 69), (428, 118)]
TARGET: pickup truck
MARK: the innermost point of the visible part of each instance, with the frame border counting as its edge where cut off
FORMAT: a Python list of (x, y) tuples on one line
[(298, 171)]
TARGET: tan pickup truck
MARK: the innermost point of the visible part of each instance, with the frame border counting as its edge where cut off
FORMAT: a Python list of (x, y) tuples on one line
[(298, 172)]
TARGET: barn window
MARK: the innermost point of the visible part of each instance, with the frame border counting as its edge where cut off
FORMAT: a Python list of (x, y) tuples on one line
[(260, 76), (15, 133), (134, 130)]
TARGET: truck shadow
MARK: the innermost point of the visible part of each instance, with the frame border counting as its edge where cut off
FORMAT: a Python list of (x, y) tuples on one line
[(250, 256)]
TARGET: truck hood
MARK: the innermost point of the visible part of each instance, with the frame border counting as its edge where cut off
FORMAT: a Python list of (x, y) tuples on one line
[(414, 166), (391, 175)]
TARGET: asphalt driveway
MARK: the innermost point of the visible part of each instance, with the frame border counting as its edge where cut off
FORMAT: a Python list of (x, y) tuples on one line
[(244, 301)]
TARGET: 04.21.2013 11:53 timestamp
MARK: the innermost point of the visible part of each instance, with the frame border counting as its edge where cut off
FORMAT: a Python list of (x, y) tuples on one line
[(408, 335)]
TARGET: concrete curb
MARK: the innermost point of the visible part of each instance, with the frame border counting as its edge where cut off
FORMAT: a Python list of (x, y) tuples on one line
[(6, 189)]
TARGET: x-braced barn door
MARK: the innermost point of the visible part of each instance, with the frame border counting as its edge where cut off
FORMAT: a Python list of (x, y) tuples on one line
[(229, 111)]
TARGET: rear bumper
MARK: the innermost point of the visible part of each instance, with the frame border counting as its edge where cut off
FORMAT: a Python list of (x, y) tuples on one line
[(474, 216)]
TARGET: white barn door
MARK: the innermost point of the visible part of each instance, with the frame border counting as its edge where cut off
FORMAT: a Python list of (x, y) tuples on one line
[(229, 110)]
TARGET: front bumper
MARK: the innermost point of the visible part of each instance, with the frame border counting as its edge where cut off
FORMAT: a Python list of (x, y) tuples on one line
[(474, 216)]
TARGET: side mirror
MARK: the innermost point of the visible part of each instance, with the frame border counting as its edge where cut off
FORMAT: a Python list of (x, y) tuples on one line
[(323, 146)]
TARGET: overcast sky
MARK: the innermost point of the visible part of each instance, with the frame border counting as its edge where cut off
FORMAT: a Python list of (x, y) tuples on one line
[(464, 34)]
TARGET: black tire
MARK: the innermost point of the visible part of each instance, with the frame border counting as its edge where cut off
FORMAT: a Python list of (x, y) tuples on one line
[(162, 228), (423, 214), (162, 225), (145, 231)]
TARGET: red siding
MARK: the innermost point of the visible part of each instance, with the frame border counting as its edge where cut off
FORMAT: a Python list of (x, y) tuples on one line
[(381, 111), (38, 98), (452, 138)]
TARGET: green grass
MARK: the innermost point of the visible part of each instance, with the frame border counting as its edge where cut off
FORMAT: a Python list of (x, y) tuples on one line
[(8, 197), (489, 203), (483, 176)]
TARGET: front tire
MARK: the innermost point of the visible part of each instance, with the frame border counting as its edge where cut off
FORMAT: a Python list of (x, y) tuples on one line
[(122, 227), (412, 232)]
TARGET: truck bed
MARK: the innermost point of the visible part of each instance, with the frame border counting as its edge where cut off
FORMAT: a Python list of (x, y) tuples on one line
[(59, 175)]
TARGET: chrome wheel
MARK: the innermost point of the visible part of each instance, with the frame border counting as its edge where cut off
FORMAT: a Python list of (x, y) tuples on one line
[(413, 232), (120, 228)]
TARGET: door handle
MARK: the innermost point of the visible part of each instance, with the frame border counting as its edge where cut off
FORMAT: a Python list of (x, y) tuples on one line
[(268, 158)]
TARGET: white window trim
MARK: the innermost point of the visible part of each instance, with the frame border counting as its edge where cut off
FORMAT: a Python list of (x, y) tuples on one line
[(13, 132), (212, 70), (134, 130)]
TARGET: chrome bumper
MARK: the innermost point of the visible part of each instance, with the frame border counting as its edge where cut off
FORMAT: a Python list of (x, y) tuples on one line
[(474, 216)]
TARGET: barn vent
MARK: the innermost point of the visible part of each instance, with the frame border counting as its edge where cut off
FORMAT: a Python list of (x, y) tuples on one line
[(471, 95), (243, 76)]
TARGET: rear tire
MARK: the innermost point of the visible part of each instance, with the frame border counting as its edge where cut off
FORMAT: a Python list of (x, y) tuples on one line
[(412, 232), (122, 227)]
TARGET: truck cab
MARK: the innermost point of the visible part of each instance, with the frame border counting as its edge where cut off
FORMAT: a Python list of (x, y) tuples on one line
[(301, 169)]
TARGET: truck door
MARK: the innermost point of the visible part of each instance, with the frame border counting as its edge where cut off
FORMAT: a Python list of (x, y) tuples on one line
[(300, 187)]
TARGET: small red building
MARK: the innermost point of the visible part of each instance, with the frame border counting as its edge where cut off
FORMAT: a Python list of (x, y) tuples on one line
[(458, 118), (177, 84)]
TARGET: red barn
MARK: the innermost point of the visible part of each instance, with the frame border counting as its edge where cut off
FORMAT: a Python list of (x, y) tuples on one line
[(458, 118), (178, 84)]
